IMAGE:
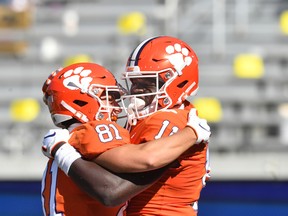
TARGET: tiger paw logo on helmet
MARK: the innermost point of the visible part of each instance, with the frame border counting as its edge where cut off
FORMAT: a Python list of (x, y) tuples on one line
[(178, 56), (77, 79)]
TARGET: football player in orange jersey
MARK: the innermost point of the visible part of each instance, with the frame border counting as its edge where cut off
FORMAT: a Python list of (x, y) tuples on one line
[(83, 93), (163, 72)]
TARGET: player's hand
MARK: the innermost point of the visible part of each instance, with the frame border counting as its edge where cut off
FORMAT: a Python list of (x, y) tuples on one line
[(200, 127), (53, 140)]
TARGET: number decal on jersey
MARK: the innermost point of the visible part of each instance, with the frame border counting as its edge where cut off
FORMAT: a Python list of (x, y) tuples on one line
[(48, 191), (165, 124), (105, 134)]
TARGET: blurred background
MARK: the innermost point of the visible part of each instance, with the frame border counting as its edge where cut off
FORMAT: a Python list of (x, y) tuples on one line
[(243, 52)]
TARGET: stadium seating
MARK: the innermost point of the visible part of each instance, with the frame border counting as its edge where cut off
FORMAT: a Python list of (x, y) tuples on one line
[(250, 122)]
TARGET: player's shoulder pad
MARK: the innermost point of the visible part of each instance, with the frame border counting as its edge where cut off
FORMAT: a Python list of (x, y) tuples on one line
[(170, 114)]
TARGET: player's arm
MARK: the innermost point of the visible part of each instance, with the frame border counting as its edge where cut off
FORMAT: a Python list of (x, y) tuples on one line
[(147, 156), (155, 153), (108, 188)]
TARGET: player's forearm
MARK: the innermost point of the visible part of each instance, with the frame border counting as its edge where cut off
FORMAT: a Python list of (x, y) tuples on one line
[(148, 156), (92, 179), (167, 149), (108, 188), (160, 152)]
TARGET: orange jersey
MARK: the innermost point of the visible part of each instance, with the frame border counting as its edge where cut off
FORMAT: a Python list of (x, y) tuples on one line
[(179, 188), (94, 138), (60, 196)]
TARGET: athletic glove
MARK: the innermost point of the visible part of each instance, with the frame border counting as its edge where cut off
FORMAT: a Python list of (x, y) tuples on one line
[(200, 127), (53, 140), (55, 145)]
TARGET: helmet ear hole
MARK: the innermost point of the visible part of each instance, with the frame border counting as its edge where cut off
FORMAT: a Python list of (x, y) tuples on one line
[(182, 84), (80, 103)]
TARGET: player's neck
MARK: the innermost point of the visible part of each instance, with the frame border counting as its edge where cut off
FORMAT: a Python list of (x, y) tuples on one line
[(72, 126)]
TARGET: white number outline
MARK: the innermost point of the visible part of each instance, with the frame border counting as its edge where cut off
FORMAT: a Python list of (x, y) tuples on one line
[(104, 129), (164, 126)]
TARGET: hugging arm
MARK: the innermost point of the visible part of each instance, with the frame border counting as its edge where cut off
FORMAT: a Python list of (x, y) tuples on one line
[(108, 188), (159, 152), (147, 156)]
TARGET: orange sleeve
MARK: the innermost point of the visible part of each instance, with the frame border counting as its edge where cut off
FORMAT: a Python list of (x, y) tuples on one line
[(94, 138)]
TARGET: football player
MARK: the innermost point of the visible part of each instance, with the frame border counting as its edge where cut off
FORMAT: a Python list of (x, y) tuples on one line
[(82, 98), (163, 72)]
